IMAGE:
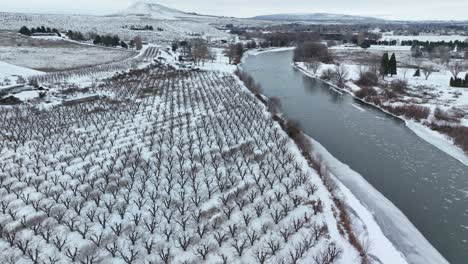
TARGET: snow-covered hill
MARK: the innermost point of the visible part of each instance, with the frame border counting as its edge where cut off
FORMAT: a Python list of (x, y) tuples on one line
[(319, 17), (155, 11)]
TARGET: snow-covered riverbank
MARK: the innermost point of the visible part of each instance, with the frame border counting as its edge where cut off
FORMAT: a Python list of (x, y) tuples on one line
[(383, 221), (435, 138), (380, 225)]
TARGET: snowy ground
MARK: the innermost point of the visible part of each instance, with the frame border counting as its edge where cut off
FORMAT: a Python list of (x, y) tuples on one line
[(172, 29), (432, 93), (369, 210), (54, 54), (9, 73), (378, 214), (172, 166)]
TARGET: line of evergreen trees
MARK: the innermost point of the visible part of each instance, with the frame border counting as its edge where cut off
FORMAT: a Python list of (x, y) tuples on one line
[(459, 82), (368, 42), (28, 32), (75, 35), (109, 41), (430, 45), (388, 66), (147, 27)]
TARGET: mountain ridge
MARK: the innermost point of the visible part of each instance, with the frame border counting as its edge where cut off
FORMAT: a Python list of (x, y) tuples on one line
[(154, 10), (320, 17)]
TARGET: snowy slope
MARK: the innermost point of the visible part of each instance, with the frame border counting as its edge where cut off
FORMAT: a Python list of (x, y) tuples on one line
[(153, 10), (7, 69), (317, 17)]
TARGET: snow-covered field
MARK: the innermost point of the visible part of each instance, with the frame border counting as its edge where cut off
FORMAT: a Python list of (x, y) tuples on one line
[(9, 71), (54, 54), (174, 166), (172, 29)]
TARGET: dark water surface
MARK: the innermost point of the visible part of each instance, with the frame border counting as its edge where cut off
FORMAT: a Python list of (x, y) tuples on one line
[(427, 185)]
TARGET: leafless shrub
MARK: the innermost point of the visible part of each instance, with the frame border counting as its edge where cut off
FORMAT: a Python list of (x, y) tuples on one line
[(427, 70), (203, 251), (129, 257), (328, 74), (458, 133), (410, 111), (261, 256), (398, 86), (368, 79), (239, 245), (273, 246), (365, 93), (329, 255), (442, 115), (313, 65), (341, 75)]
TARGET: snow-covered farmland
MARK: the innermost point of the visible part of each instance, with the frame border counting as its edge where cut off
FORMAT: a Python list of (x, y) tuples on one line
[(54, 54), (7, 70), (116, 24), (173, 167), (85, 75)]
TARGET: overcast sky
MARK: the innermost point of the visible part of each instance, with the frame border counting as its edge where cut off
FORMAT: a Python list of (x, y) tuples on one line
[(391, 9)]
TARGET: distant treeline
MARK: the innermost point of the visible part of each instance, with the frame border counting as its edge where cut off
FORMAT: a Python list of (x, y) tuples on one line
[(147, 27), (28, 32), (282, 39), (380, 42), (430, 45), (427, 45), (109, 41), (75, 35)]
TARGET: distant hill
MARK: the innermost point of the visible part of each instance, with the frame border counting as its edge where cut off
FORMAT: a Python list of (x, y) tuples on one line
[(318, 17), (155, 11)]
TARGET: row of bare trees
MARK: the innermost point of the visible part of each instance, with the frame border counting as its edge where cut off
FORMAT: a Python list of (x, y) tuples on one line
[(173, 166)]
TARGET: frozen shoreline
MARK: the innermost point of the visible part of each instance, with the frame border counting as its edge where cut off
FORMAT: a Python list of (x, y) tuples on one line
[(384, 221), (399, 241), (434, 138)]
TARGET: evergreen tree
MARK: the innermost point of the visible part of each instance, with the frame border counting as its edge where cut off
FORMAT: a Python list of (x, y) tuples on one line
[(106, 40), (123, 45), (115, 40), (97, 40), (25, 31), (43, 29), (384, 65), (175, 45), (392, 64)]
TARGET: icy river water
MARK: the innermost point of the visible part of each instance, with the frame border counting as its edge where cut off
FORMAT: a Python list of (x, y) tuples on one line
[(427, 185)]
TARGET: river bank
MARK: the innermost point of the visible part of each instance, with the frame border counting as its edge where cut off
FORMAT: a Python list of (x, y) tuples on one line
[(435, 138), (399, 229), (364, 224)]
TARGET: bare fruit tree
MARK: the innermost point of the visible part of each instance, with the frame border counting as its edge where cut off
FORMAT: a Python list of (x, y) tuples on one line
[(428, 69), (341, 75), (313, 65), (456, 68)]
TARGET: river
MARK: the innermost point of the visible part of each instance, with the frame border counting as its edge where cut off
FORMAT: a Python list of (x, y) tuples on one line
[(427, 185)]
